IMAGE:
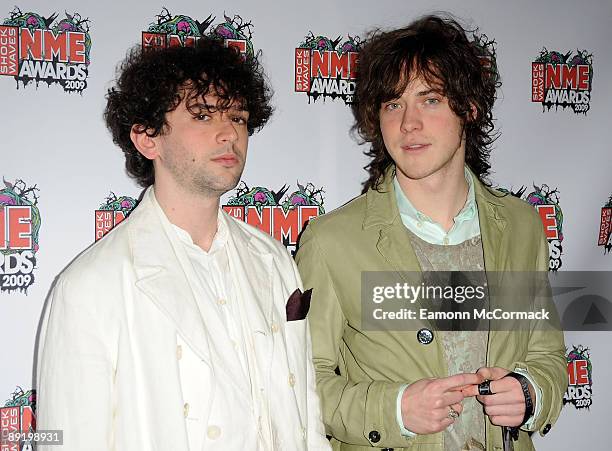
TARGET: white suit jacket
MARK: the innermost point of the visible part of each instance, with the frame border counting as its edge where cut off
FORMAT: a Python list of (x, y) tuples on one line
[(110, 369)]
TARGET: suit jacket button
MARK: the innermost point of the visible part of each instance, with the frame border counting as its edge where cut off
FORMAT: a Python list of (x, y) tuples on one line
[(546, 429), (213, 432), (387, 449), (374, 436), (425, 336)]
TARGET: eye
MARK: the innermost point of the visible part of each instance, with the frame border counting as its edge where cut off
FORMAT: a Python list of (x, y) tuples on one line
[(202, 117), (432, 101), (392, 106), (241, 120)]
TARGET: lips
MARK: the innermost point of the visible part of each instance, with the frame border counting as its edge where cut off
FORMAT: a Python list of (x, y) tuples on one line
[(416, 147), (226, 160)]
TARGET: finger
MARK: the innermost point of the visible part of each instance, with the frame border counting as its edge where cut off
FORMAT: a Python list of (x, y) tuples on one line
[(457, 408), (458, 380), (446, 422), (492, 373), (506, 385), (452, 397), (470, 390), (506, 420), (501, 399), (506, 410), (463, 387)]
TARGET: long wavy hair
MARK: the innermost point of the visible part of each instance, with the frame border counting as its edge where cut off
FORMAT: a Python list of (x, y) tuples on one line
[(439, 51), (152, 83)]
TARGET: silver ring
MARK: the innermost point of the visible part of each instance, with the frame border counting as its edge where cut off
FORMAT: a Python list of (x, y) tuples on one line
[(484, 389), (452, 413)]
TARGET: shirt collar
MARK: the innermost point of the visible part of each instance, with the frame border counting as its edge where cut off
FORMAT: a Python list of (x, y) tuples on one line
[(406, 209), (219, 240)]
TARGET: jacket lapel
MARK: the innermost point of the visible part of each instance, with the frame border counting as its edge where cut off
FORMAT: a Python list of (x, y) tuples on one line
[(393, 241), (492, 228), (165, 274)]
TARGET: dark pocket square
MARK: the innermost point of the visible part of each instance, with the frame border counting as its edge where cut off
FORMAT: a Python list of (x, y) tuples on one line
[(298, 305)]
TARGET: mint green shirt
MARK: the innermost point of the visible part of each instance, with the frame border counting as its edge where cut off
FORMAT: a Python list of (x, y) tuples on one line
[(465, 226)]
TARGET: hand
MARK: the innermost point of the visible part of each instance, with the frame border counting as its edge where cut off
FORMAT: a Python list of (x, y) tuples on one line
[(506, 406), (426, 402)]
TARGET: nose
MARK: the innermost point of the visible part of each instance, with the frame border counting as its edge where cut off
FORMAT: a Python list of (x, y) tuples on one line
[(411, 120), (227, 131)]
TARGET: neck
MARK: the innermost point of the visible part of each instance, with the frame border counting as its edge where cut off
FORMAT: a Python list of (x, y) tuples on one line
[(441, 196), (196, 214)]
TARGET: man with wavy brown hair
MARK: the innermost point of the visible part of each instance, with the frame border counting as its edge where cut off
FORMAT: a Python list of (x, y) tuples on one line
[(425, 95)]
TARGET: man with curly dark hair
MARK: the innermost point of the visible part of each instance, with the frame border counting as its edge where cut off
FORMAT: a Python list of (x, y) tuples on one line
[(425, 95), (183, 328)]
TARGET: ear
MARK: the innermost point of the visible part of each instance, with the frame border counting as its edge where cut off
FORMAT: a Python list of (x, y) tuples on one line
[(144, 143), (473, 113)]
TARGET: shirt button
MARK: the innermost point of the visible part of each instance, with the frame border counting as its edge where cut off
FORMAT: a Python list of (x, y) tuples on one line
[(221, 302), (419, 224), (179, 352), (291, 379), (274, 327), (445, 240), (213, 432), (186, 410)]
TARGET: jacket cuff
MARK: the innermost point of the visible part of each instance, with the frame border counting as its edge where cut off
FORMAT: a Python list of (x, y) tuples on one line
[(381, 427), (398, 413)]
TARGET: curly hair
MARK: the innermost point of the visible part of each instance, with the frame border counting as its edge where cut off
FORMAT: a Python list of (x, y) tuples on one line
[(152, 83), (437, 50)]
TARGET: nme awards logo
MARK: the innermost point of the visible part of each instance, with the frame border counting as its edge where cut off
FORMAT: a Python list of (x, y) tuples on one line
[(546, 202), (327, 68), (33, 48), (281, 219), (19, 228), (112, 212), (17, 417), (562, 80), (580, 373), (605, 227), (181, 30)]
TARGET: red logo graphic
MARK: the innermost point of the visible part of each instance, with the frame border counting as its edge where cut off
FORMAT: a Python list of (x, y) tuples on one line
[(112, 212), (32, 47), (17, 417), (182, 30), (562, 80), (262, 208), (605, 227), (325, 68)]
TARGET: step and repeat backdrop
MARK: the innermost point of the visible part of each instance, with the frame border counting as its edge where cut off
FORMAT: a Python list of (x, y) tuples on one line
[(64, 185)]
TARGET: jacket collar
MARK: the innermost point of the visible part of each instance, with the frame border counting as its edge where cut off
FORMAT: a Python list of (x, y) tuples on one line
[(382, 213)]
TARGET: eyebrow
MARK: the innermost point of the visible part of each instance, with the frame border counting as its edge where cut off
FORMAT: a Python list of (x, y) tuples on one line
[(210, 107), (428, 92)]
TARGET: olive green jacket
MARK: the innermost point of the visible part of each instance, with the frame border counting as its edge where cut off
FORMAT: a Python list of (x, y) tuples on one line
[(367, 234)]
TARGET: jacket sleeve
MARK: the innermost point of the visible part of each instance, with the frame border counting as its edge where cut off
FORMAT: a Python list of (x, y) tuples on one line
[(353, 412), (74, 376), (545, 361)]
